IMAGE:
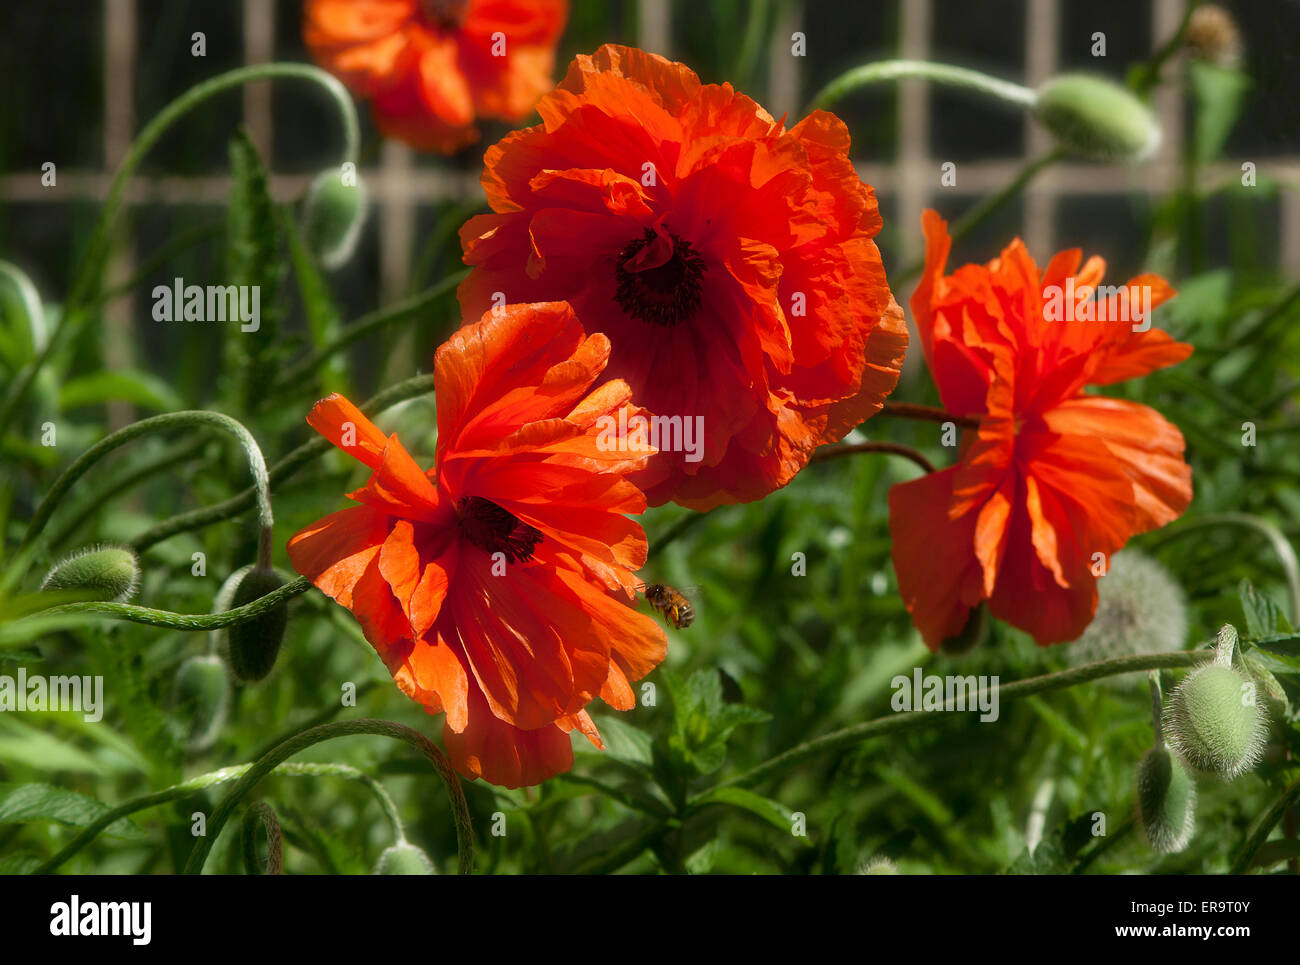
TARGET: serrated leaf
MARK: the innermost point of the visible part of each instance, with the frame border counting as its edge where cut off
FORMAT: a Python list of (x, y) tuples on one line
[(1263, 618), (625, 742), (24, 803)]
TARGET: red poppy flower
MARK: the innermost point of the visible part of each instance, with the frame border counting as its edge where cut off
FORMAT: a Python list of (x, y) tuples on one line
[(730, 261), (430, 67), (496, 587), (1054, 480)]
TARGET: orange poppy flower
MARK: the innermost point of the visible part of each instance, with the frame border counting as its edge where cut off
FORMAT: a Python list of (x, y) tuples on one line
[(1054, 480), (497, 586), (730, 261), (430, 67)]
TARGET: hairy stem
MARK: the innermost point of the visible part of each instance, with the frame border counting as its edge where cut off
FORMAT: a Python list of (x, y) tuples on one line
[(891, 70), (1260, 832), (171, 420), (855, 734), (282, 470), (927, 413), (344, 728), (203, 781)]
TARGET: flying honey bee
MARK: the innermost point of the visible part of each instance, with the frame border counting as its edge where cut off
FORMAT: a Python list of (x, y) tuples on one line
[(671, 602)]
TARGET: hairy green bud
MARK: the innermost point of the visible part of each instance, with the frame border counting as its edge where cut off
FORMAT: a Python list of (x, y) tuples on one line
[(878, 865), (1096, 118), (404, 858), (1166, 800), (333, 215), (252, 647), (1214, 721), (107, 574)]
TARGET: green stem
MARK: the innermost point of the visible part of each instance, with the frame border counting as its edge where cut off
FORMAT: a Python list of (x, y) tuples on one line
[(344, 728), (927, 413), (977, 215), (1260, 832), (892, 448), (263, 813), (891, 70), (1281, 547), (89, 266), (294, 374), (212, 778), (855, 734), (282, 470), (171, 420), (184, 621)]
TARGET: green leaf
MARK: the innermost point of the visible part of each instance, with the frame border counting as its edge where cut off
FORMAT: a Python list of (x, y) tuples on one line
[(624, 742), (703, 721), (765, 808), (253, 261), (1219, 93), (142, 389), (25, 803), (1263, 618)]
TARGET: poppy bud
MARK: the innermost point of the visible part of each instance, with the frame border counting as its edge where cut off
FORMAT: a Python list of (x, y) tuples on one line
[(200, 697), (108, 574), (1096, 118), (1166, 800), (332, 217), (251, 647), (878, 866), (1214, 721), (404, 858)]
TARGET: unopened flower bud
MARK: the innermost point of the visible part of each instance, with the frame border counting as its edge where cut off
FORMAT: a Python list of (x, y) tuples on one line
[(404, 858), (252, 646), (1214, 721), (1166, 800), (1096, 118), (200, 699), (108, 574), (333, 215), (877, 866), (1212, 35)]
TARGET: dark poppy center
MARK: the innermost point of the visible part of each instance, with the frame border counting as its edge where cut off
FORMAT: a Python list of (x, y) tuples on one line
[(659, 279), (447, 14), (496, 530)]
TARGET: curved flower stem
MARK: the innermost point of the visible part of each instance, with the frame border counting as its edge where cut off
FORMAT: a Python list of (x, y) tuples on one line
[(927, 413), (184, 621), (893, 448), (223, 776), (849, 736), (1260, 832), (890, 70), (343, 728), (1286, 555), (286, 467), (74, 313), (260, 810), (294, 374), (31, 299), (171, 420)]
